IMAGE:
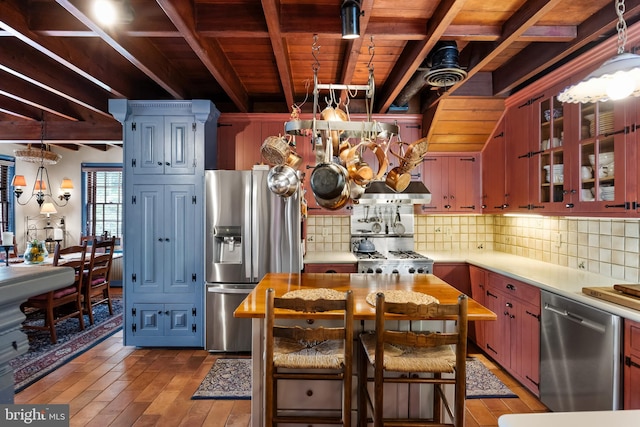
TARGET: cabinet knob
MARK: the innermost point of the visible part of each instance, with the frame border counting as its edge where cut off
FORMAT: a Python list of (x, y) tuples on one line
[(166, 239), (168, 164), (159, 239), (509, 305), (309, 393), (159, 163)]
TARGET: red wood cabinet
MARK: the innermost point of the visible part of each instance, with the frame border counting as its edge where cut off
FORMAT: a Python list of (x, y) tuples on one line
[(514, 339), (631, 365), (478, 280), (494, 189), (331, 268), (454, 183), (454, 273)]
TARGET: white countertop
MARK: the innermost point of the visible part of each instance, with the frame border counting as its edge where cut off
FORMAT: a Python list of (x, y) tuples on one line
[(629, 418), (563, 281), (318, 257)]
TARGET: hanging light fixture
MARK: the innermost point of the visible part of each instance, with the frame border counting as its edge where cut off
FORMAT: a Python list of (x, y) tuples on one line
[(350, 14), (617, 78), (41, 186)]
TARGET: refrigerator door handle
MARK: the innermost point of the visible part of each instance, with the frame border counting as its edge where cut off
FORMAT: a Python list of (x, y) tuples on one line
[(223, 290)]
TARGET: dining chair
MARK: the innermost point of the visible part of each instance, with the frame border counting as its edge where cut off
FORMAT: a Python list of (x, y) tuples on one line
[(407, 357), (97, 284), (52, 302), (303, 354)]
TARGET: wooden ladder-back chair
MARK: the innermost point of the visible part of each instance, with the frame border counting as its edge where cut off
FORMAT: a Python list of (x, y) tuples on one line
[(97, 285), (402, 357), (51, 302), (306, 353)]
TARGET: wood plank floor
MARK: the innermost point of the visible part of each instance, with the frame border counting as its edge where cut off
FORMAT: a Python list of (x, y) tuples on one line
[(114, 385)]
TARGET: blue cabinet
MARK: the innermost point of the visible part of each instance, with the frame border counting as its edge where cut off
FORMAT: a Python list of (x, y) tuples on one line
[(164, 156)]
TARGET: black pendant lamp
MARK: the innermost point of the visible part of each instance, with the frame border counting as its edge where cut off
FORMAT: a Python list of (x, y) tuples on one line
[(350, 13)]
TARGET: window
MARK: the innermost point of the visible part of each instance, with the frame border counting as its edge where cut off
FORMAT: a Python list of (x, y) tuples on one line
[(6, 195), (103, 199)]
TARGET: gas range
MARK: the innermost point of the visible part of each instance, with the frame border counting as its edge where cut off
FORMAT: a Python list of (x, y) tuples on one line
[(390, 228), (394, 262)]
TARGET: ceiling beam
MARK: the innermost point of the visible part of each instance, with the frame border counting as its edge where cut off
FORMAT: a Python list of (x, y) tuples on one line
[(523, 19), (537, 57), (139, 52), (415, 52), (60, 132), (281, 56), (182, 14)]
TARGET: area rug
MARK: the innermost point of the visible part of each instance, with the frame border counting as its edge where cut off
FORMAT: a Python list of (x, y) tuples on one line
[(231, 379), (44, 357), (483, 384), (227, 379)]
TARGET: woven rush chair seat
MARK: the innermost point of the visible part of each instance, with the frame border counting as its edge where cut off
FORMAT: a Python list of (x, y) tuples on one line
[(402, 358), (420, 358), (308, 353), (296, 354)]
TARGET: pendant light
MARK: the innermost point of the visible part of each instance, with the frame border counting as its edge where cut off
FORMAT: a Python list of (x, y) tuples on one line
[(617, 78), (350, 14)]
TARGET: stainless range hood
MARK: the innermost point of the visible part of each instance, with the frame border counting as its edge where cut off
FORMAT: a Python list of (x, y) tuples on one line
[(416, 193)]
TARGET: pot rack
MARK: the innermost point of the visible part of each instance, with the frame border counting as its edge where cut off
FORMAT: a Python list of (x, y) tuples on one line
[(348, 129)]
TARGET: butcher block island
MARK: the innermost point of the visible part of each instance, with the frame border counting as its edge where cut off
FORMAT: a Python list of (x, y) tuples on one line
[(361, 285)]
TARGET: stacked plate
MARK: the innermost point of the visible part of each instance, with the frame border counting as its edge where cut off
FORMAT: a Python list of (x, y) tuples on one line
[(558, 173), (607, 193)]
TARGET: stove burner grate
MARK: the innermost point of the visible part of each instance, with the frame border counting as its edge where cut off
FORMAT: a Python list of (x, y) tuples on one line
[(406, 255), (372, 255)]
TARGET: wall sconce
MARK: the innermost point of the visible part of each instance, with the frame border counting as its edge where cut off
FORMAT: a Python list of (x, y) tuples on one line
[(350, 14), (66, 185)]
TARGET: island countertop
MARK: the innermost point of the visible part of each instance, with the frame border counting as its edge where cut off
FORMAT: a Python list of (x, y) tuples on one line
[(361, 285)]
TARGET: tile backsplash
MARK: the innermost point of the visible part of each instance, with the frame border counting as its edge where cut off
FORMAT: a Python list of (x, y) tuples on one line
[(607, 246)]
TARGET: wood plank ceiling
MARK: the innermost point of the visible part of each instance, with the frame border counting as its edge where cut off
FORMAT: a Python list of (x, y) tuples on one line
[(58, 63)]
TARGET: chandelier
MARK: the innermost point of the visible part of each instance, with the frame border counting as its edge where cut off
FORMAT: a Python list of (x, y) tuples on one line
[(617, 78), (41, 187)]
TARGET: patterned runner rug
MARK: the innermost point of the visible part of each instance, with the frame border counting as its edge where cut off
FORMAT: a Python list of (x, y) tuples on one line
[(227, 379), (483, 384), (44, 357), (231, 379)]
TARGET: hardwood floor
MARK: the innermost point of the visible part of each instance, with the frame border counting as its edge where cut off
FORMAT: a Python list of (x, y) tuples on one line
[(114, 385)]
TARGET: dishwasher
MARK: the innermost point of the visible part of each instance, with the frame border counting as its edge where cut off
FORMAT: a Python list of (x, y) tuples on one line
[(580, 356)]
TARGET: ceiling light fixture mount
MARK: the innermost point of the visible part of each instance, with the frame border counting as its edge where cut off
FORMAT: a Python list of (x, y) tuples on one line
[(617, 78), (112, 12), (350, 14)]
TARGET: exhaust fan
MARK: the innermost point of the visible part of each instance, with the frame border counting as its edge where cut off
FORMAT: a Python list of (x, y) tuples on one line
[(444, 70), (440, 69)]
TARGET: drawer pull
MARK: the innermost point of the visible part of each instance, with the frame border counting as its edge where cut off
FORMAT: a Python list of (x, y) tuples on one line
[(309, 393)]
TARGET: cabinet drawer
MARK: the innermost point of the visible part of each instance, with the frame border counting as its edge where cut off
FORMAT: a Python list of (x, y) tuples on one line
[(309, 395), (515, 288)]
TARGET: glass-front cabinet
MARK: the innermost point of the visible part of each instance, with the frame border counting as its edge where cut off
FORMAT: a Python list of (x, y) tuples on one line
[(601, 151), (552, 151)]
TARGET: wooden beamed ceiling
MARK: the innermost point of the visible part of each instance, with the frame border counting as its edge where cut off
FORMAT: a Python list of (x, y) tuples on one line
[(58, 63)]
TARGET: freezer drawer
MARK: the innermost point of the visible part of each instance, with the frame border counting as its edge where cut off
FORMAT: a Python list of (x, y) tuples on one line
[(225, 333)]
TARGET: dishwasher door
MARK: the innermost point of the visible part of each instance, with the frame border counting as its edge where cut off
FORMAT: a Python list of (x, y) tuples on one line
[(223, 332), (580, 366)]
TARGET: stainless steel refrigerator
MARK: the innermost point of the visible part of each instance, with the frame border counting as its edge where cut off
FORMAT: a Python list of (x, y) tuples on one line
[(250, 232)]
